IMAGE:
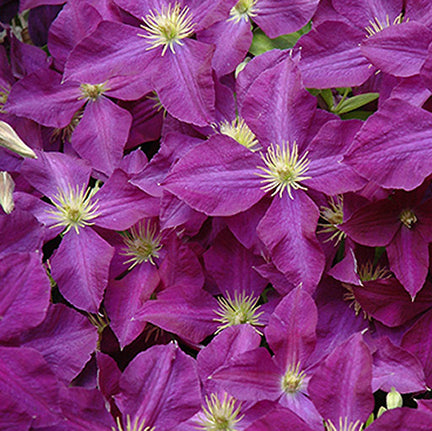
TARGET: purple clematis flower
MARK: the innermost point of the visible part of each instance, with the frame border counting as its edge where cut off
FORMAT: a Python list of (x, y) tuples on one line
[(159, 55), (401, 223), (80, 265), (360, 37), (290, 147)]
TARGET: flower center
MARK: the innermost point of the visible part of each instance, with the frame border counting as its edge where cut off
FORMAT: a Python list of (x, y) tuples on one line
[(65, 134), (376, 25), (142, 244), (4, 94), (244, 9), (344, 425), (74, 208), (367, 272), (333, 217), (240, 132), (167, 27), (219, 416), (284, 169), (92, 91), (408, 218), (292, 379), (131, 426), (238, 311)]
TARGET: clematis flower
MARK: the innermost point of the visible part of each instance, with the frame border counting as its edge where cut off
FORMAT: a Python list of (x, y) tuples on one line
[(222, 178), (80, 265), (348, 48), (402, 224), (255, 375), (160, 54), (82, 110)]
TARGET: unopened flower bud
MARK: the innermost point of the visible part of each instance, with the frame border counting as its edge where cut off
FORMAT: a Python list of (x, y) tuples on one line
[(7, 186), (394, 399), (10, 140)]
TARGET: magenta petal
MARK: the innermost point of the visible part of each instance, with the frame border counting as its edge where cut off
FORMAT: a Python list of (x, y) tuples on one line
[(125, 297), (113, 50), (293, 245), (41, 97), (402, 419), (75, 21), (101, 134), (232, 266), (291, 332), (390, 142), (24, 293), (251, 376), (52, 172), (399, 50), (394, 367), (188, 314), (278, 17), (418, 340), (232, 40), (120, 204), (217, 177), (331, 56), (388, 302), (231, 342), (181, 266), (20, 232), (26, 378), (327, 149), (277, 107), (360, 12), (161, 386), (341, 385), (66, 339), (277, 420), (375, 224), (185, 84), (408, 255), (80, 267)]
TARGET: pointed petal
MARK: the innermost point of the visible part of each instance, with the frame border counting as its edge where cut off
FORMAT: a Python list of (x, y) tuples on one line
[(80, 267), (185, 84), (251, 376), (418, 340), (101, 134), (66, 339), (217, 177), (26, 378), (326, 152), (24, 293), (161, 386), (120, 204), (293, 245), (125, 297), (41, 97), (277, 107), (341, 385), (278, 17), (291, 332), (408, 255), (390, 142), (188, 314), (232, 266), (394, 367), (399, 50), (331, 56)]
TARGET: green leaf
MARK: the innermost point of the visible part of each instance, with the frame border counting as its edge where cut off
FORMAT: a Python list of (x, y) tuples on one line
[(355, 102), (327, 95), (262, 43)]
